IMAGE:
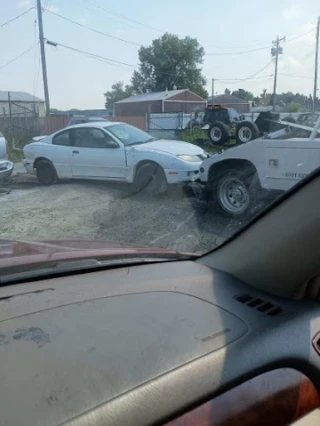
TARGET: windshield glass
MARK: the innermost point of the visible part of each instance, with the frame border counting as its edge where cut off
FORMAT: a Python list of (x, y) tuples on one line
[(232, 117), (129, 135)]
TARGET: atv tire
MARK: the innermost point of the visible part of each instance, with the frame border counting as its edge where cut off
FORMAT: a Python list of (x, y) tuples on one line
[(218, 133), (246, 132)]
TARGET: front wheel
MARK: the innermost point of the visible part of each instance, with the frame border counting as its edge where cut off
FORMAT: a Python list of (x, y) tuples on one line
[(218, 133), (150, 179), (235, 192), (46, 173)]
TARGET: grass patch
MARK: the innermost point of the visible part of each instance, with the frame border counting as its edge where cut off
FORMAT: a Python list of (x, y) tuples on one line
[(200, 138), (15, 148)]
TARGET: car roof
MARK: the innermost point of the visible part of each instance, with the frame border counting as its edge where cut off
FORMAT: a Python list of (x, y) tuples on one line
[(95, 124)]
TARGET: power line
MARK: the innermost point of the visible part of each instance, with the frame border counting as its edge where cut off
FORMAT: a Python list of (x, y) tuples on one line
[(92, 29), (16, 17), (238, 53), (120, 15), (250, 77), (19, 56), (294, 75), (123, 16), (90, 54), (301, 35)]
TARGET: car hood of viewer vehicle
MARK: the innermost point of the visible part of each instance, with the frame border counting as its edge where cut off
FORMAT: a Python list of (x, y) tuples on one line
[(17, 252), (170, 147)]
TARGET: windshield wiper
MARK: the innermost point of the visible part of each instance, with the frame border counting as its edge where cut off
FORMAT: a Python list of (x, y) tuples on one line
[(54, 269)]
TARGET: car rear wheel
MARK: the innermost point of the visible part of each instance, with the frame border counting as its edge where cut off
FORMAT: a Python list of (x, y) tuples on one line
[(150, 179), (246, 132), (218, 133), (46, 173), (235, 192)]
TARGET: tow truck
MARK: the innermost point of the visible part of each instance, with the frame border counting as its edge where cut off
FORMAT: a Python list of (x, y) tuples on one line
[(235, 179)]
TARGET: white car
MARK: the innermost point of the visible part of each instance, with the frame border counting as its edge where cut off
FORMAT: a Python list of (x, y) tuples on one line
[(6, 166), (234, 178), (113, 151)]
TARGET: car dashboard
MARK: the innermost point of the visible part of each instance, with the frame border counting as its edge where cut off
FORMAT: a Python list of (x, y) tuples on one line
[(174, 343)]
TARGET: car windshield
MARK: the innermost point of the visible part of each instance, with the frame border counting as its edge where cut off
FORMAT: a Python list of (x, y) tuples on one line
[(129, 135), (187, 121)]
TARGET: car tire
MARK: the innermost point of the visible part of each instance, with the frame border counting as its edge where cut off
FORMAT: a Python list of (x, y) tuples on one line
[(234, 193), (46, 172), (150, 179), (246, 131), (218, 133)]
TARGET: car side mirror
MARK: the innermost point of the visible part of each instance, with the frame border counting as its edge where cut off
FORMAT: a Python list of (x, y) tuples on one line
[(111, 144)]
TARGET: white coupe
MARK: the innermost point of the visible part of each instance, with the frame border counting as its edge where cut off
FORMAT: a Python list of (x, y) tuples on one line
[(113, 151)]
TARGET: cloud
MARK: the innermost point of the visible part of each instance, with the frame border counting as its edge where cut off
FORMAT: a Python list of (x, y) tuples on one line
[(25, 3), (52, 8), (307, 34), (289, 64), (292, 12)]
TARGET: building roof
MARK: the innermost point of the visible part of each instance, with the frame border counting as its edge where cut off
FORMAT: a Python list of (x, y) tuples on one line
[(227, 99), (153, 96), (18, 97)]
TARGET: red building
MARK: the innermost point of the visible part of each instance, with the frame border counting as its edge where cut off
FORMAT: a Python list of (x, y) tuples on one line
[(168, 101)]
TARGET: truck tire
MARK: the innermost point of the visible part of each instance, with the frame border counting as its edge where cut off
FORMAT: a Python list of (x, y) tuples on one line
[(150, 179), (234, 192), (246, 131), (218, 133)]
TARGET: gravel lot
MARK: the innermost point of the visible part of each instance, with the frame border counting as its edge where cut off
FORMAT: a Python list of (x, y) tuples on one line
[(106, 211)]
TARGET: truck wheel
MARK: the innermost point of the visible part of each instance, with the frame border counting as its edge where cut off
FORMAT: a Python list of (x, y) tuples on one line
[(46, 173), (218, 133), (246, 132), (150, 179), (235, 192)]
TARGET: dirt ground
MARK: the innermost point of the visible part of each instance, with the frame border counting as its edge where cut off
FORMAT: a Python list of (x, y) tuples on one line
[(107, 211)]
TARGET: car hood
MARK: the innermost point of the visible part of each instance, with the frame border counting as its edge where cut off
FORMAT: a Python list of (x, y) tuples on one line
[(17, 252), (170, 146)]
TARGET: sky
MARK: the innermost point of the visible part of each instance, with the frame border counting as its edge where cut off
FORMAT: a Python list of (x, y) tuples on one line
[(226, 30)]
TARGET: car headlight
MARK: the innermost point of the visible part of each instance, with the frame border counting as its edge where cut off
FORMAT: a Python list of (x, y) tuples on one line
[(190, 158)]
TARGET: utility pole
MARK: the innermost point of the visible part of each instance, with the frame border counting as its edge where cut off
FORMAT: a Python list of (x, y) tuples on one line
[(10, 114), (315, 72), (275, 51), (43, 58), (212, 90)]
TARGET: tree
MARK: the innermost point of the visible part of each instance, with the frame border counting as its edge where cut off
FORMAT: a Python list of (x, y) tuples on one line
[(243, 94), (118, 92), (265, 97), (170, 62), (227, 91)]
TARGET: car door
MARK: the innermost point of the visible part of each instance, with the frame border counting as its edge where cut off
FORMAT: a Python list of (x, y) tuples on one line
[(59, 152), (290, 160), (96, 154)]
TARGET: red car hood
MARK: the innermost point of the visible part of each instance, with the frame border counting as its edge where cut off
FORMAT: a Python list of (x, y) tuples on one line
[(31, 252)]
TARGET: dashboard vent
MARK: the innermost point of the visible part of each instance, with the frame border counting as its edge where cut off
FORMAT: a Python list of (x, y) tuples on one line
[(259, 304)]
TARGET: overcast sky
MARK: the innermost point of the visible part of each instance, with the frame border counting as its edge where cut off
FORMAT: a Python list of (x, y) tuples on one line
[(76, 81)]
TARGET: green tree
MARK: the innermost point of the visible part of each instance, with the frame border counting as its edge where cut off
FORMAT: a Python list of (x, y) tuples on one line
[(170, 62), (118, 92), (227, 91), (243, 94)]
